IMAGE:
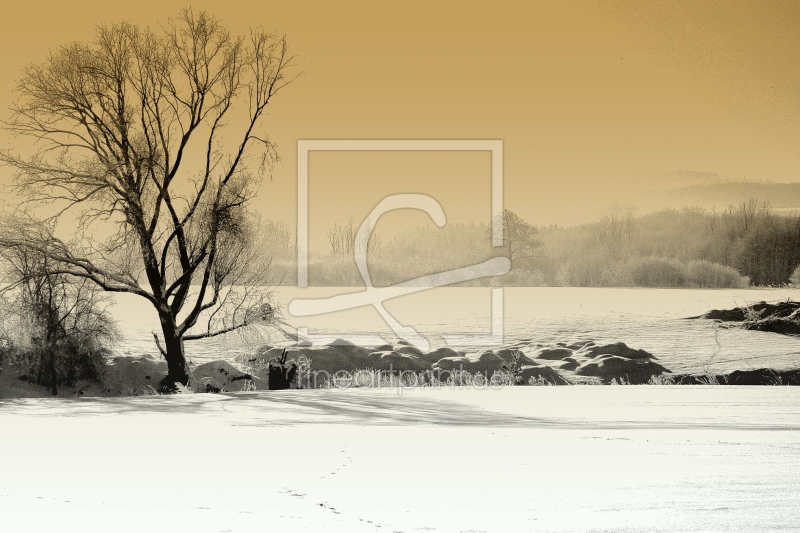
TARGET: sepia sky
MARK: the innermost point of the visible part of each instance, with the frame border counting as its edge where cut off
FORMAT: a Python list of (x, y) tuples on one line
[(594, 101)]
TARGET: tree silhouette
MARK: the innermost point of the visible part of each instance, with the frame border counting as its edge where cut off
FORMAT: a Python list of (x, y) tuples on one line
[(519, 239), (126, 137)]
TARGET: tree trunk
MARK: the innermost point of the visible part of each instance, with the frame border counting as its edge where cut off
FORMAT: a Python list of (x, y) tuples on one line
[(53, 371), (177, 369)]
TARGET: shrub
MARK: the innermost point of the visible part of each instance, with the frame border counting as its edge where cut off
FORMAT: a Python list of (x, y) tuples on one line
[(58, 324), (794, 279), (592, 272), (713, 275), (657, 272)]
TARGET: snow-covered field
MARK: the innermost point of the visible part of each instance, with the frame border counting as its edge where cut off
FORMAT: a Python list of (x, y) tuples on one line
[(615, 459)]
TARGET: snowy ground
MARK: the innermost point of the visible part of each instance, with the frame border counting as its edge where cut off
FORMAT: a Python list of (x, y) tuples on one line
[(518, 459)]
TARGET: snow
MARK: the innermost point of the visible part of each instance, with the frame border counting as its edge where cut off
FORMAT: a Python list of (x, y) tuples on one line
[(626, 458)]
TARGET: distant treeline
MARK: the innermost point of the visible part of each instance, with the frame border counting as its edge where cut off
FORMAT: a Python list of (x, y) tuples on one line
[(735, 247), (686, 248)]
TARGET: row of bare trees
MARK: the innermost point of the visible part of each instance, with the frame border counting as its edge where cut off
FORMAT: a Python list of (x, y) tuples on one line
[(750, 239), (428, 250), (344, 237)]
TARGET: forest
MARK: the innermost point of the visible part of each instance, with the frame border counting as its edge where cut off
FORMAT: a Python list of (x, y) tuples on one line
[(748, 244)]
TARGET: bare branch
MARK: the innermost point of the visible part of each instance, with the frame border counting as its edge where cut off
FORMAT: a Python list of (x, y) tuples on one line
[(113, 123)]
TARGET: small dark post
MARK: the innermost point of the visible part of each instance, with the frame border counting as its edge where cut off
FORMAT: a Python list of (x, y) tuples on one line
[(281, 373)]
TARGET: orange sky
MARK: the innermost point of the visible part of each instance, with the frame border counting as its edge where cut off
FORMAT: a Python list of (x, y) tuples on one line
[(591, 99)]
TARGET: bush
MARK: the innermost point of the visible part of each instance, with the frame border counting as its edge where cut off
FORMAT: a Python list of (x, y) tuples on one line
[(78, 358), (713, 275), (666, 272), (657, 272), (590, 272), (794, 279), (648, 271), (58, 324)]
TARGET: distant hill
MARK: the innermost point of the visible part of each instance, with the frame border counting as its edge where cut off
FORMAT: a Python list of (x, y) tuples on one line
[(570, 205), (782, 197)]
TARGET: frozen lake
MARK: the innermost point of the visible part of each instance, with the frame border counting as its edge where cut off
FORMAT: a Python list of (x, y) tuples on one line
[(649, 319)]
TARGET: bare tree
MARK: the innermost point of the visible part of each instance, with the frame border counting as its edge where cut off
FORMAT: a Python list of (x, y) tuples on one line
[(127, 137), (343, 239), (519, 239), (62, 322)]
